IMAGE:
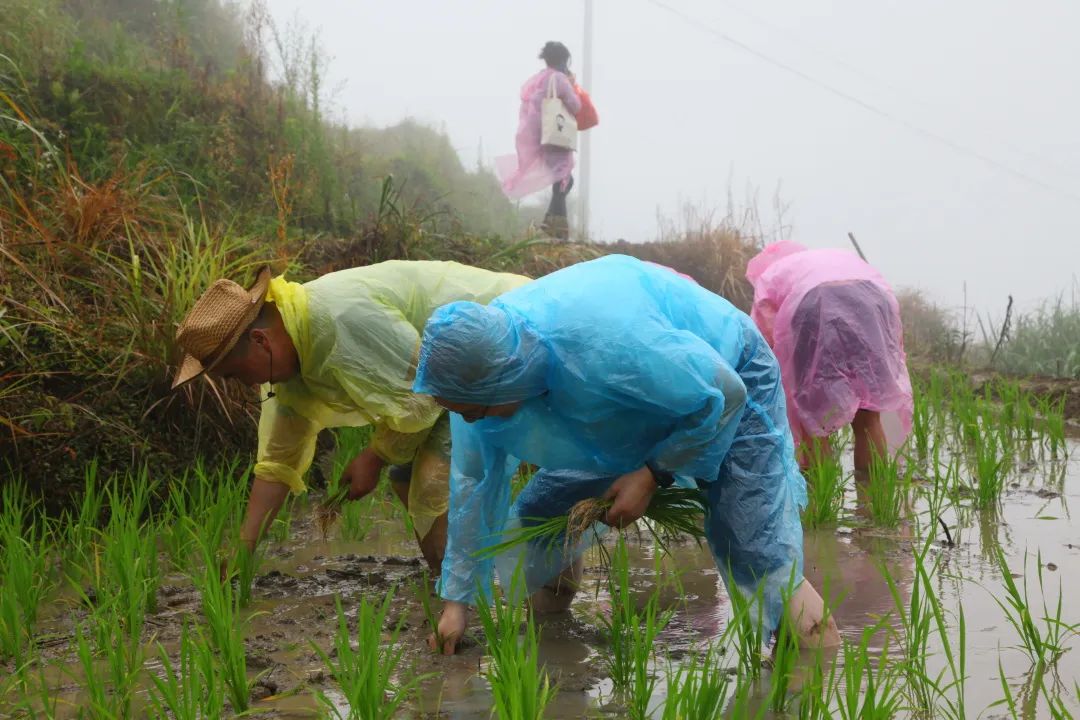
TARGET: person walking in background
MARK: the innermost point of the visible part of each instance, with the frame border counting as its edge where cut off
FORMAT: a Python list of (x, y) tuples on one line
[(834, 324), (537, 165)]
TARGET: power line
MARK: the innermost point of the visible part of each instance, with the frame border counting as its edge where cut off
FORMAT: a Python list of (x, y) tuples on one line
[(918, 130)]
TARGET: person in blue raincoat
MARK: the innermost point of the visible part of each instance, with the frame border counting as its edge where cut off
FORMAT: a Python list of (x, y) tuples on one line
[(616, 377)]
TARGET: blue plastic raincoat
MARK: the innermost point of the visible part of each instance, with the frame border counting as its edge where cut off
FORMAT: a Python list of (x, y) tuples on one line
[(617, 364)]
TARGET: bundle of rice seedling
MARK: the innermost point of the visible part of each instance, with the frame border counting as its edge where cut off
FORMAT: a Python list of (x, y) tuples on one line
[(329, 510), (672, 512)]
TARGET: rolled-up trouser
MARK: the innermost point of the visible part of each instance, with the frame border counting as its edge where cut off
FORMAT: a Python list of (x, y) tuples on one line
[(752, 522), (428, 477)]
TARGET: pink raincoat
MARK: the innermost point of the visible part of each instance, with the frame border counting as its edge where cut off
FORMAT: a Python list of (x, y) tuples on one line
[(536, 166), (834, 324)]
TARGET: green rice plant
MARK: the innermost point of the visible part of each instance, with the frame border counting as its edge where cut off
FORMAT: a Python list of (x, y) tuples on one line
[(1043, 642), (348, 443), (80, 528), (920, 422), (24, 571), (520, 686), (192, 689), (225, 628), (887, 490), (281, 529), (748, 634), (698, 689), (921, 615), (246, 567), (110, 690), (784, 658), (672, 512), (869, 688), (630, 635), (825, 488), (991, 464), (128, 573), (1053, 414), (365, 674)]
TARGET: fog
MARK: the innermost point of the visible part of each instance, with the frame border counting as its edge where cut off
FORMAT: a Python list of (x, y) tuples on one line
[(946, 136)]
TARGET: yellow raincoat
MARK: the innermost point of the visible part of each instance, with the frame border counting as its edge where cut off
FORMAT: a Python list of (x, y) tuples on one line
[(357, 333)]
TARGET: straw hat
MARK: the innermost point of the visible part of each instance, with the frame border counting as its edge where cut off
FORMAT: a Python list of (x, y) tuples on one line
[(214, 325)]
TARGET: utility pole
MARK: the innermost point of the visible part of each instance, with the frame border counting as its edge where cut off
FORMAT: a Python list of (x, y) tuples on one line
[(586, 137)]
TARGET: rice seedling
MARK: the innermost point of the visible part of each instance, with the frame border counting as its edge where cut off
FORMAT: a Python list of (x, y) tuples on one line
[(919, 616), (869, 689), (520, 686), (1043, 642), (192, 689), (630, 635), (1053, 414), (349, 442), (825, 488), (80, 536), (920, 422), (225, 628), (24, 572), (128, 573), (749, 635), (672, 512), (990, 465), (698, 689), (784, 658), (246, 567), (887, 490), (365, 674), (109, 695)]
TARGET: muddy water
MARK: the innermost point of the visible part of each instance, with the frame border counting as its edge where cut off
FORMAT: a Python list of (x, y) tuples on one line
[(294, 604)]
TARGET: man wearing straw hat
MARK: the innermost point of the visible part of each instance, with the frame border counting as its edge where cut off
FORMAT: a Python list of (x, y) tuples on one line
[(340, 350)]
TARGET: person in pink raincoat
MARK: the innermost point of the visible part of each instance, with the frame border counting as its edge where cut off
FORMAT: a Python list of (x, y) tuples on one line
[(537, 166), (834, 324)]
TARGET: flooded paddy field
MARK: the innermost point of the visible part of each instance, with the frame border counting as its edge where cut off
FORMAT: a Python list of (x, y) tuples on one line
[(952, 576)]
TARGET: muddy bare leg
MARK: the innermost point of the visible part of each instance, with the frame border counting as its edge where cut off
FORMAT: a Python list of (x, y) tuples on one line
[(869, 439), (556, 595), (432, 545)]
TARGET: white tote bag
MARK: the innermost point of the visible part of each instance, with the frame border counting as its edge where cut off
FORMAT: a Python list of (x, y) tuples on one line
[(558, 127)]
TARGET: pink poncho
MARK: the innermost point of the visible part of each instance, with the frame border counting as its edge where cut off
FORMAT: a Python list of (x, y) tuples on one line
[(537, 166), (834, 324)]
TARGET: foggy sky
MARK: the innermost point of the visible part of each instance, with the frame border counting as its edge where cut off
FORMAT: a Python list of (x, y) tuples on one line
[(686, 117)]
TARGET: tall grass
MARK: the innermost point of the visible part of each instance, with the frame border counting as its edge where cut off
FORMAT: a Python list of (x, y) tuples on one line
[(366, 674)]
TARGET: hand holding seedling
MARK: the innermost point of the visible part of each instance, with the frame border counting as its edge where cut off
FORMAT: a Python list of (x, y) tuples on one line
[(362, 474), (451, 628), (630, 496)]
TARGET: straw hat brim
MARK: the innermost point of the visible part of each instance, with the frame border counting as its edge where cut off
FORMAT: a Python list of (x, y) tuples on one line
[(191, 367)]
